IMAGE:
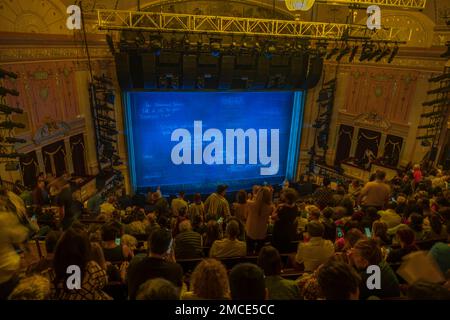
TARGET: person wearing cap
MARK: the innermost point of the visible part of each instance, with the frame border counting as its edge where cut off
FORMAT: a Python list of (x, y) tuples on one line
[(216, 205)]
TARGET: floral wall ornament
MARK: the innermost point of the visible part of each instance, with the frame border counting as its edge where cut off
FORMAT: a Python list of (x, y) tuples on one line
[(43, 93), (51, 129), (372, 119)]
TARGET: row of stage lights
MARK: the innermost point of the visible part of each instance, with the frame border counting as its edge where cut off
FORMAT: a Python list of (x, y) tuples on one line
[(216, 46)]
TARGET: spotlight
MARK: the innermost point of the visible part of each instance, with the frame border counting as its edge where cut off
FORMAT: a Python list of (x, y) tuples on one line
[(12, 140), (393, 54), (11, 125), (383, 54), (425, 143), (353, 53), (332, 52), (4, 73), (374, 53), (8, 110), (342, 53), (446, 54), (5, 91), (366, 52), (110, 42), (215, 46), (156, 45)]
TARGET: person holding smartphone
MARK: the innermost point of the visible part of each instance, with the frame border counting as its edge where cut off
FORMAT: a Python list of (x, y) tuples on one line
[(160, 263)]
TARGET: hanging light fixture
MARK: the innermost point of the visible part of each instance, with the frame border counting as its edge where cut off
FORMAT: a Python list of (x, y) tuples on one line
[(303, 5)]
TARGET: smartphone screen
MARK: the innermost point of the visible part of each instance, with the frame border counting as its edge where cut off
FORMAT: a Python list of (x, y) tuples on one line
[(170, 246), (340, 234), (368, 233), (117, 241)]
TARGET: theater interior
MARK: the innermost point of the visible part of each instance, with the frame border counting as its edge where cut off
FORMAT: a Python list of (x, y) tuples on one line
[(225, 150)]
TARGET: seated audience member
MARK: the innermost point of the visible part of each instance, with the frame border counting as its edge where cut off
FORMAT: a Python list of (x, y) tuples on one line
[(230, 246), (247, 282), (258, 217), (416, 224), (74, 248), (160, 204), (351, 237), (328, 224), (178, 203), (46, 262), (107, 208), (209, 280), (438, 231), (324, 195), (440, 252), (366, 253), (158, 289), (370, 216), (40, 194), (389, 216), (160, 263), (212, 234), (379, 233), (269, 261), (240, 207), (422, 290), (188, 243), (35, 287), (113, 251), (317, 250), (313, 213), (285, 227), (338, 281), (129, 241), (152, 224), (375, 193), (407, 240)]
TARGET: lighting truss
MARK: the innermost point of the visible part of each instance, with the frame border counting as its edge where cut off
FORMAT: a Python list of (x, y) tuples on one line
[(189, 23), (406, 4)]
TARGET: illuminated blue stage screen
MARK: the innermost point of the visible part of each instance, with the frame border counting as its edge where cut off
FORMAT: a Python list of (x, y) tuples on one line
[(164, 147)]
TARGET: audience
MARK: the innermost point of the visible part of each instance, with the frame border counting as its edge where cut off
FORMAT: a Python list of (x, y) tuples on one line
[(269, 261), (285, 227), (338, 281), (209, 281), (158, 289), (160, 263), (402, 217), (316, 250), (258, 217), (230, 246), (247, 282), (74, 248), (406, 238), (367, 253)]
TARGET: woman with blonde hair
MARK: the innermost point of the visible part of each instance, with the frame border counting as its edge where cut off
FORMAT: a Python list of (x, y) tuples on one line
[(258, 217), (209, 281)]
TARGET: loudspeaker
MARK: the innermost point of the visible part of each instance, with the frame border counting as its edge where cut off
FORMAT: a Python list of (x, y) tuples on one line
[(262, 73), (137, 75), (123, 70), (189, 71), (149, 70), (299, 70), (226, 72), (314, 72)]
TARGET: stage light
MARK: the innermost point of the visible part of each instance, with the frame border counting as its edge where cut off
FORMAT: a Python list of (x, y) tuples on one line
[(139, 39), (110, 42), (4, 91), (353, 53), (367, 50), (393, 54), (342, 53), (440, 90), (215, 45), (441, 77), (8, 110), (11, 125), (4, 73), (374, 53), (425, 143), (332, 52), (12, 140), (383, 54)]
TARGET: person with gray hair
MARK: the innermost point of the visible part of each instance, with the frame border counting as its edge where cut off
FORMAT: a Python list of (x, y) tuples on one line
[(230, 246), (188, 243), (316, 250), (158, 289)]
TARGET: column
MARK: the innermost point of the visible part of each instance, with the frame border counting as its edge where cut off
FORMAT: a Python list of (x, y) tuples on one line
[(68, 148)]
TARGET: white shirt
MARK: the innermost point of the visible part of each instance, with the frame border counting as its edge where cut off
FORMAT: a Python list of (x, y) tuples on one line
[(314, 252)]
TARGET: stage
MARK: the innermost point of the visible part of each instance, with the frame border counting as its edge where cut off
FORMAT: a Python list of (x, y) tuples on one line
[(193, 141)]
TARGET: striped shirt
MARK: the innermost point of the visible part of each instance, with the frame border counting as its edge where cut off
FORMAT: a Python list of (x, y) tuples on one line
[(188, 245)]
